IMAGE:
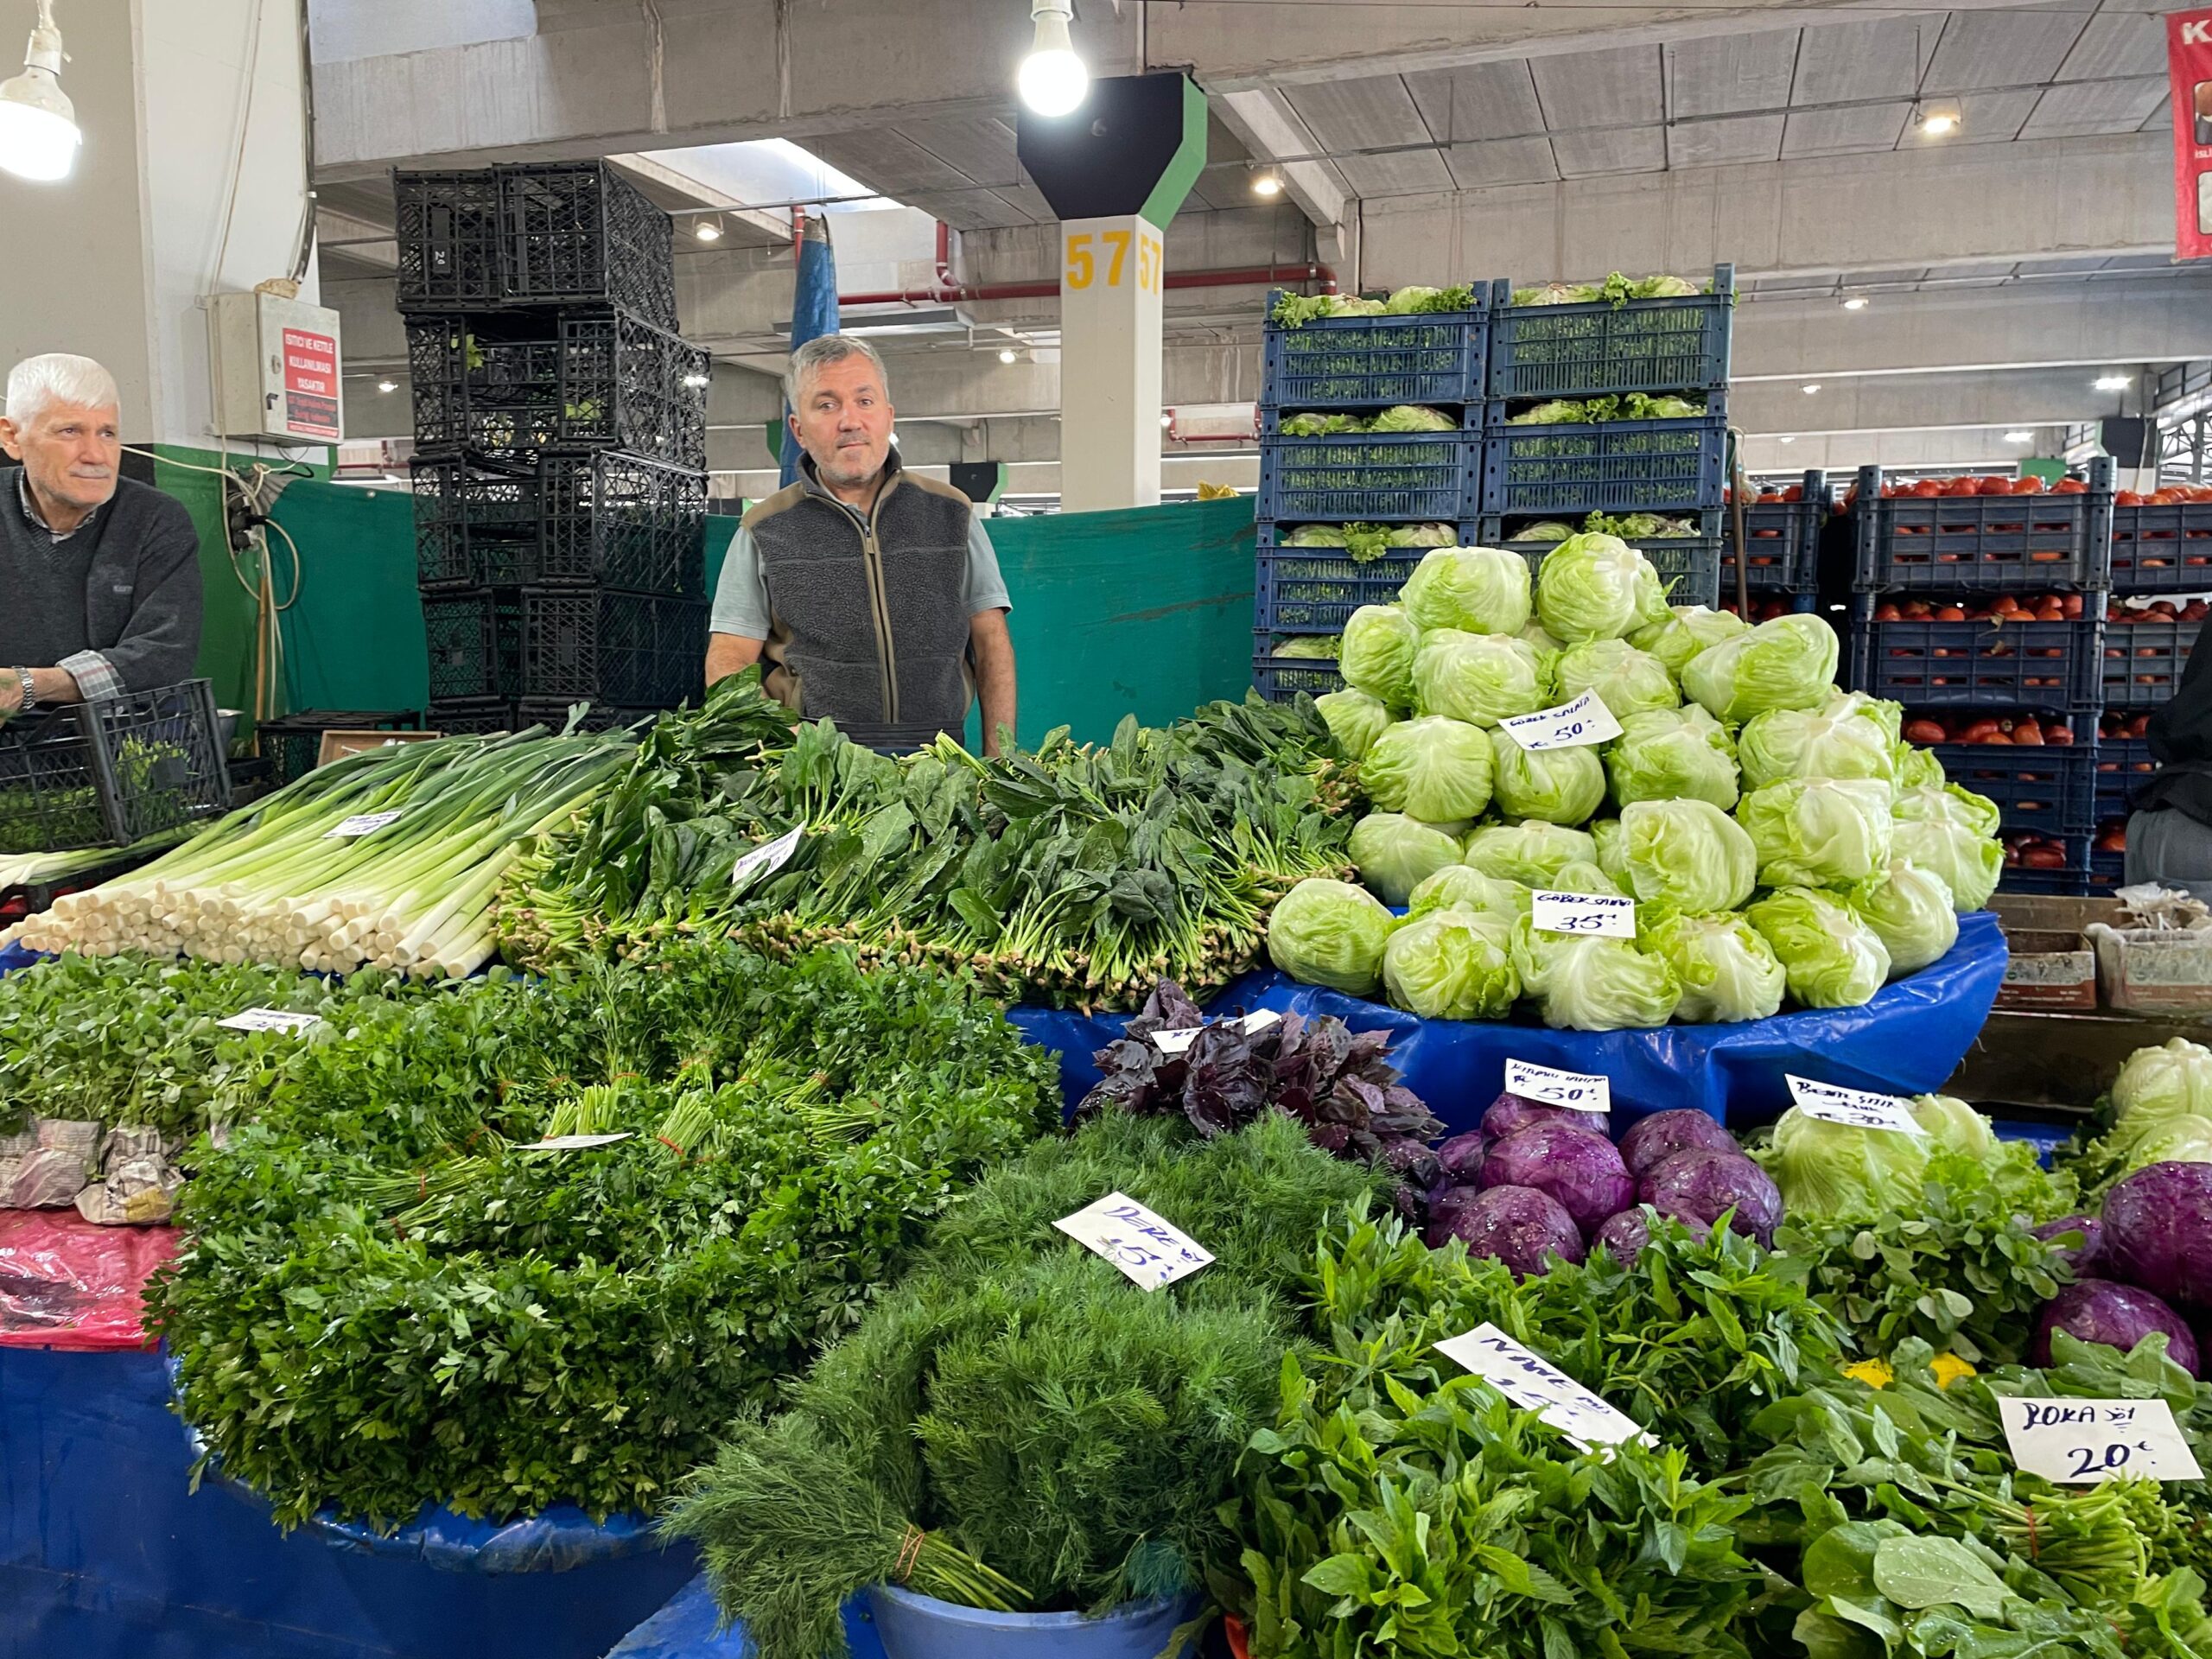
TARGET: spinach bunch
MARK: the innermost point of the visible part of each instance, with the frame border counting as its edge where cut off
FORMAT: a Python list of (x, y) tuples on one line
[(387, 1299)]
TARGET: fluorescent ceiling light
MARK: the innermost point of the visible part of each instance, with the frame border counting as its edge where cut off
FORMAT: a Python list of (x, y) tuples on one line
[(1053, 79), (2019, 438), (1856, 302), (695, 381), (706, 230), (39, 138), (2112, 383), (387, 385), (1787, 437), (1810, 389)]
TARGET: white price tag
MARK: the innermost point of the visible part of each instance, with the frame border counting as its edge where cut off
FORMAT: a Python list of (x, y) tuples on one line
[(271, 1020), (1536, 1385), (573, 1142), (360, 824), (1134, 1240), (1574, 725), (768, 859), (1608, 915), (1833, 1103), (2081, 1442), (1578, 1091), (1178, 1041)]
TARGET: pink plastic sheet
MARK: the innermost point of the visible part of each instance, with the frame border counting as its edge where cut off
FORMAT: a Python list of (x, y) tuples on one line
[(66, 1283)]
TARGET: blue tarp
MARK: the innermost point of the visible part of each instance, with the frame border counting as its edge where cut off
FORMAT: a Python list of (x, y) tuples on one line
[(688, 1629), (1908, 1040)]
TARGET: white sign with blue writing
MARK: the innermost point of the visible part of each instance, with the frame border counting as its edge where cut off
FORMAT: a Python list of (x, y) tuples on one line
[(573, 1142), (1180, 1039), (1578, 1091), (1833, 1103), (2081, 1442), (361, 824), (1535, 1385), (1584, 722), (770, 858), (1143, 1245), (269, 1020), (1606, 915)]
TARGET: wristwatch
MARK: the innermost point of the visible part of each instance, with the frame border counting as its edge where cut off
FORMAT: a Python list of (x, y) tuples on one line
[(30, 691)]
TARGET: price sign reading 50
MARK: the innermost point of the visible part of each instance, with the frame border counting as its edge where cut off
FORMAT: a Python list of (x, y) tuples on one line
[(1104, 257)]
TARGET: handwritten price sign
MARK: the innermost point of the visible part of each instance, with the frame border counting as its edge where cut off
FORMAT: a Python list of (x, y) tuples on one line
[(1578, 1091), (1535, 1385), (1584, 722), (1607, 915), (1834, 1105), (1141, 1244), (361, 824), (2081, 1442), (269, 1020), (1179, 1040), (767, 860)]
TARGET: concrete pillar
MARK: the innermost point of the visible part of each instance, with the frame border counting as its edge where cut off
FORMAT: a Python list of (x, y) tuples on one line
[(1111, 286), (174, 97)]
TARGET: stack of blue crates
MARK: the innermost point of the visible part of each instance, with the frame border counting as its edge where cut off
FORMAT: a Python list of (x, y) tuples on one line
[(1357, 365), (1538, 474), (1957, 550), (1782, 547)]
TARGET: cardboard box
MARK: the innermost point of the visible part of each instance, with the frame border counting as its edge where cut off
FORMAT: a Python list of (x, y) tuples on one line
[(2048, 968), (2150, 971), (337, 745)]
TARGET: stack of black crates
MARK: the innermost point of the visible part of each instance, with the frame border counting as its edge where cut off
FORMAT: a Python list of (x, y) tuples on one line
[(1960, 552), (1491, 481), (560, 446)]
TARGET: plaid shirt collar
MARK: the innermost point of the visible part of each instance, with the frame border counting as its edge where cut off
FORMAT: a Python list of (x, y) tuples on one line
[(30, 509)]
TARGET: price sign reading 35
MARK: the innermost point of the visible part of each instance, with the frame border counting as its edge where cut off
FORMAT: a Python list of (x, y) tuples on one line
[(1103, 256), (1610, 915)]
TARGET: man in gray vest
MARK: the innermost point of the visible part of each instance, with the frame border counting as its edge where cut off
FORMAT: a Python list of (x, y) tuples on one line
[(870, 596), (100, 576)]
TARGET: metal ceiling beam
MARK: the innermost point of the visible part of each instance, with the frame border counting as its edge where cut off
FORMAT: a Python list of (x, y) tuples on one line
[(1264, 122)]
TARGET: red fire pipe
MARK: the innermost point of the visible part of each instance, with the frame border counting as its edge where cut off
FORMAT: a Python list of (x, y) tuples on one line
[(944, 291)]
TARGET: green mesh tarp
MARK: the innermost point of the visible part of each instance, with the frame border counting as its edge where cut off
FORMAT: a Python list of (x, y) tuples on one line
[(353, 637)]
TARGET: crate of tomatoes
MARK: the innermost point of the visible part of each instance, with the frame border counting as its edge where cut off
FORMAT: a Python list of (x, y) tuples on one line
[(2035, 651), (2124, 762), (2046, 864), (2041, 778), (2162, 541), (1782, 538), (1988, 532), (2108, 856), (2147, 645)]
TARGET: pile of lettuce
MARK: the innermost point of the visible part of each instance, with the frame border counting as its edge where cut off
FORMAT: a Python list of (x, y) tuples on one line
[(1368, 543), (1400, 417), (1631, 406), (1784, 846), (1616, 288), (1296, 310)]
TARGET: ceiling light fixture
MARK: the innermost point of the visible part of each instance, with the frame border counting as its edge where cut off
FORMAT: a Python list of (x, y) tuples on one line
[(1266, 184), (387, 385), (2019, 438), (1856, 302), (708, 230), (1786, 437), (1053, 79), (1938, 118), (695, 381), (1166, 420), (1810, 389), (1008, 354), (38, 124), (2111, 383)]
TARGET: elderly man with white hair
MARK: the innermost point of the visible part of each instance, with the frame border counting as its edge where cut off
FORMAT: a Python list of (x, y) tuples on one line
[(100, 576)]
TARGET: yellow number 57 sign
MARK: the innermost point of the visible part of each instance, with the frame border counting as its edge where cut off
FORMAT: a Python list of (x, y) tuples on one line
[(1104, 257)]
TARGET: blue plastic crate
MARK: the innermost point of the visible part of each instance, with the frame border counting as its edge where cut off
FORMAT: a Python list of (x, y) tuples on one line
[(2124, 765), (1280, 681), (1600, 348), (2162, 550), (1389, 478), (1784, 541), (2050, 790), (2072, 880), (2107, 872), (1316, 589), (1470, 417), (2050, 666), (1690, 565), (2143, 661), (1992, 544), (1563, 472), (1373, 362)]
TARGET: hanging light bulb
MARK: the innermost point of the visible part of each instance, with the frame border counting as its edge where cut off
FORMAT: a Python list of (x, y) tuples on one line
[(1053, 79), (38, 124)]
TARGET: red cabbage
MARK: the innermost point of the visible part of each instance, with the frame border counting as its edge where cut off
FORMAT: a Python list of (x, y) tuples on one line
[(1572, 1163), (2157, 1232), (1462, 1155), (2119, 1316), (1510, 1114), (1518, 1225), (1625, 1235), (1664, 1134), (1698, 1186), (1447, 1207), (2088, 1260)]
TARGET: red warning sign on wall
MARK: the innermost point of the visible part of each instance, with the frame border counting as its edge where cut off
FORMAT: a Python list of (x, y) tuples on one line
[(2188, 63), (310, 384)]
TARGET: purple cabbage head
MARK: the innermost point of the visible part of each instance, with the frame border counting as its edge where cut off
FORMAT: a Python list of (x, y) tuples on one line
[(1510, 1114), (1625, 1235), (2157, 1232), (1517, 1226), (1697, 1186), (2086, 1261), (1664, 1134), (2119, 1316), (1447, 1206), (1570, 1163), (1462, 1155)]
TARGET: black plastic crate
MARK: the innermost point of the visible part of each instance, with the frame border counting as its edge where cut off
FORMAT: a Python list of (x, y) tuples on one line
[(2124, 765), (2049, 665), (1601, 348), (2051, 790), (2143, 661), (1316, 589), (2162, 550), (1376, 478), (1689, 565), (1783, 541), (1564, 472), (532, 234), (2016, 544), (553, 715), (635, 651), (1280, 680), (471, 716), (1373, 362), (604, 519), (292, 743), (111, 771), (474, 640), (511, 384), (2072, 880)]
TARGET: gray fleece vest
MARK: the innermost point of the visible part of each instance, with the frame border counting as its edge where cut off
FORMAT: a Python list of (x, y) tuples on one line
[(869, 623)]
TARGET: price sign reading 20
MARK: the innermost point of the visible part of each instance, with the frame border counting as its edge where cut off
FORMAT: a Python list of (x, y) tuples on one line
[(1103, 257)]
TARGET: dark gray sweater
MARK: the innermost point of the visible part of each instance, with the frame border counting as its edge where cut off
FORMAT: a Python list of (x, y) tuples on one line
[(126, 585)]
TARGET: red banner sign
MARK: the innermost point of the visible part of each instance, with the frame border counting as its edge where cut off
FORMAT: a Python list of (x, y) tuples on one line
[(2188, 60), (310, 384)]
